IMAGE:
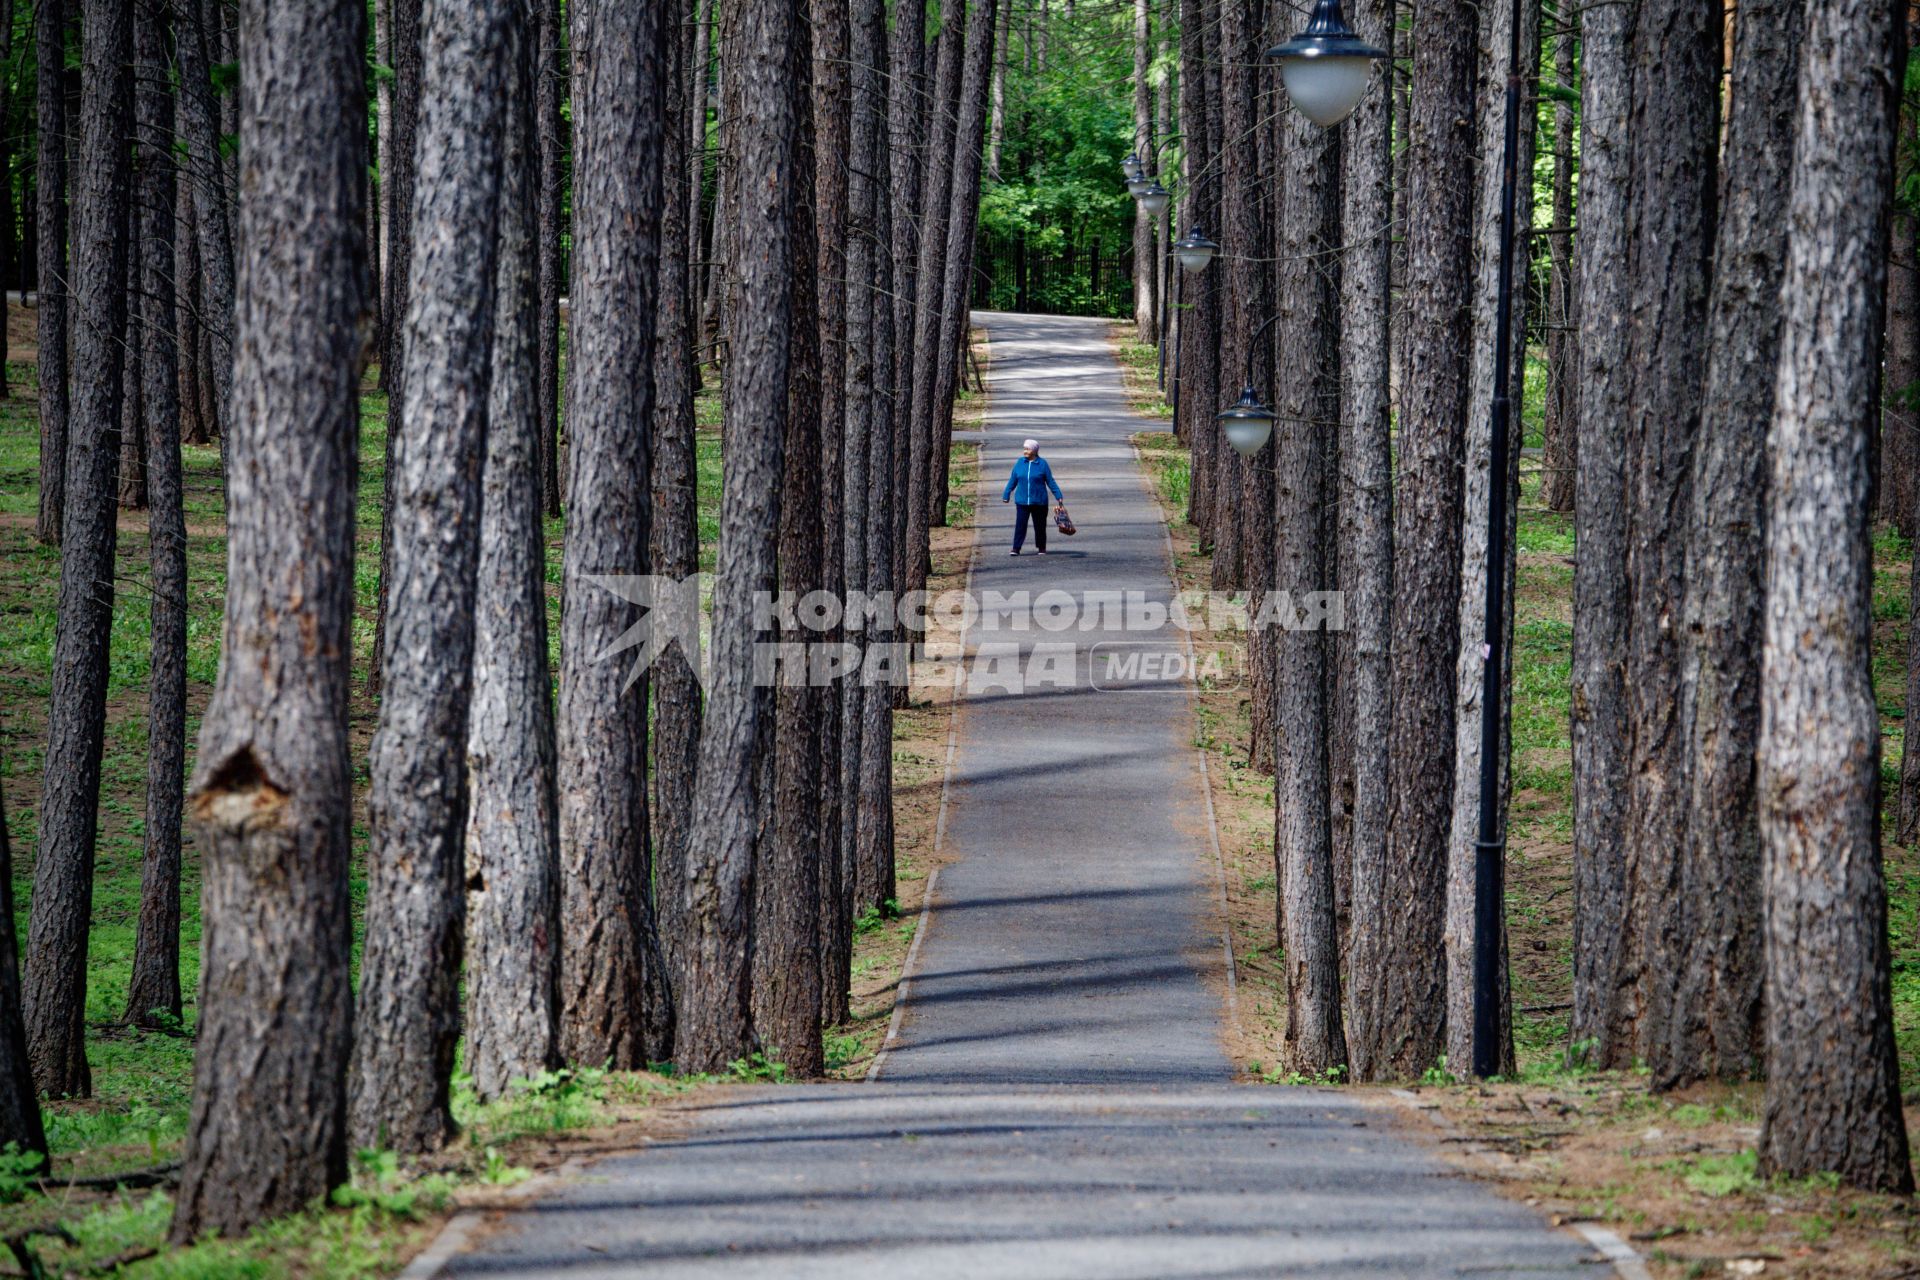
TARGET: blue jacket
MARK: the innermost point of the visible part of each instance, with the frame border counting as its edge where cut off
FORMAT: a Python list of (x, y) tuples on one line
[(1029, 483)]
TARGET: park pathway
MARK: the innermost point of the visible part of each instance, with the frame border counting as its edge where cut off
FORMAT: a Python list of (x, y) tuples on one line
[(1057, 1103)]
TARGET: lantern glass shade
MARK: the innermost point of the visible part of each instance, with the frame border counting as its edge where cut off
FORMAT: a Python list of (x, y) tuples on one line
[(1195, 251), (1154, 200), (1248, 424), (1326, 89), (1131, 166), (1326, 68), (1137, 185)]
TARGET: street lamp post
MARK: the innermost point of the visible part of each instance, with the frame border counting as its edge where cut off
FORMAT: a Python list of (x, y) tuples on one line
[(1326, 69)]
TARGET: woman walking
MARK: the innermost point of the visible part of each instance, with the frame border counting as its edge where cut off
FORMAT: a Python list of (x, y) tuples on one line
[(1027, 487)]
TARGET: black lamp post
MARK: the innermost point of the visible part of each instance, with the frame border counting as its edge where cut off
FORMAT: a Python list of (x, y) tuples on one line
[(1326, 69)]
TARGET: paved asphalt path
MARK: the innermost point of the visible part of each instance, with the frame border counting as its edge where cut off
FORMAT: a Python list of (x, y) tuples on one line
[(1058, 1103)]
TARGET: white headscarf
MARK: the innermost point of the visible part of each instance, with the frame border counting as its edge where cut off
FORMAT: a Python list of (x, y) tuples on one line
[(1030, 444)]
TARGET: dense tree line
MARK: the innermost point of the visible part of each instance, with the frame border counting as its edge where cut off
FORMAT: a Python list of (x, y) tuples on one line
[(595, 866), (1716, 444), (603, 865)]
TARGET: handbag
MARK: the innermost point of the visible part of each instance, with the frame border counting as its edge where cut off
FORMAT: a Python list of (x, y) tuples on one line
[(1062, 521)]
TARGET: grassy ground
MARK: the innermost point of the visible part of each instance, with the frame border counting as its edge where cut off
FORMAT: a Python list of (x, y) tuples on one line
[(137, 1116), (1674, 1171)]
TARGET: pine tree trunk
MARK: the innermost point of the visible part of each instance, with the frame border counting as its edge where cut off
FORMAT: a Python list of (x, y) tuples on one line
[(154, 984), (1833, 1085), (1562, 427), (272, 792), (1303, 837), (1237, 53), (874, 879), (1898, 484), (1197, 385), (863, 378), (1604, 950), (1366, 523), (997, 107), (200, 129), (1143, 255), (1496, 32), (786, 884), (616, 1005), (930, 351), (964, 219), (674, 537), (56, 957), (132, 477), (1714, 1024), (715, 1016), (404, 17), (909, 160), (1677, 51), (50, 187), (195, 427), (549, 86), (1426, 535), (409, 1010), (512, 834), (20, 1124)]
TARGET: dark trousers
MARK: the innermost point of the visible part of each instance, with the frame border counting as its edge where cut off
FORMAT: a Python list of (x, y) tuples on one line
[(1037, 512)]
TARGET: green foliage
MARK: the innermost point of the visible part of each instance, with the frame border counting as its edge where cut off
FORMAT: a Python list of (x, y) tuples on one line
[(380, 1183), (17, 1171), (759, 1067)]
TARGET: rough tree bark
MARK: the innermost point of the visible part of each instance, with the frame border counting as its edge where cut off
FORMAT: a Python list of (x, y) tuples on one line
[(409, 1011), (906, 122), (997, 106), (963, 216), (1308, 396), (1197, 384), (874, 882), (56, 957), (1366, 522), (549, 87), (1714, 1021), (1604, 947), (831, 103), (1496, 31), (272, 795), (131, 474), (154, 984), (786, 884), (50, 188), (20, 1124), (1143, 255), (512, 835), (936, 193), (1412, 1002), (1562, 426), (858, 376), (674, 542), (403, 43), (200, 130), (1677, 51), (1833, 1086), (1898, 483), (715, 1016), (1237, 54), (195, 424), (616, 1006)]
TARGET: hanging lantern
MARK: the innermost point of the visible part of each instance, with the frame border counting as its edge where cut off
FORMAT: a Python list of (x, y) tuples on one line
[(1326, 68), (1154, 200), (1248, 424), (1195, 251)]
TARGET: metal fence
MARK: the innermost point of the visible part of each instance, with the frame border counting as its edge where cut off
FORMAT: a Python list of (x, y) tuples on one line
[(1082, 280)]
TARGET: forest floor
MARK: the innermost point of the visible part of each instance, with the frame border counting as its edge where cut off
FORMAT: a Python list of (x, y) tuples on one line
[(136, 1121), (1672, 1172)]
